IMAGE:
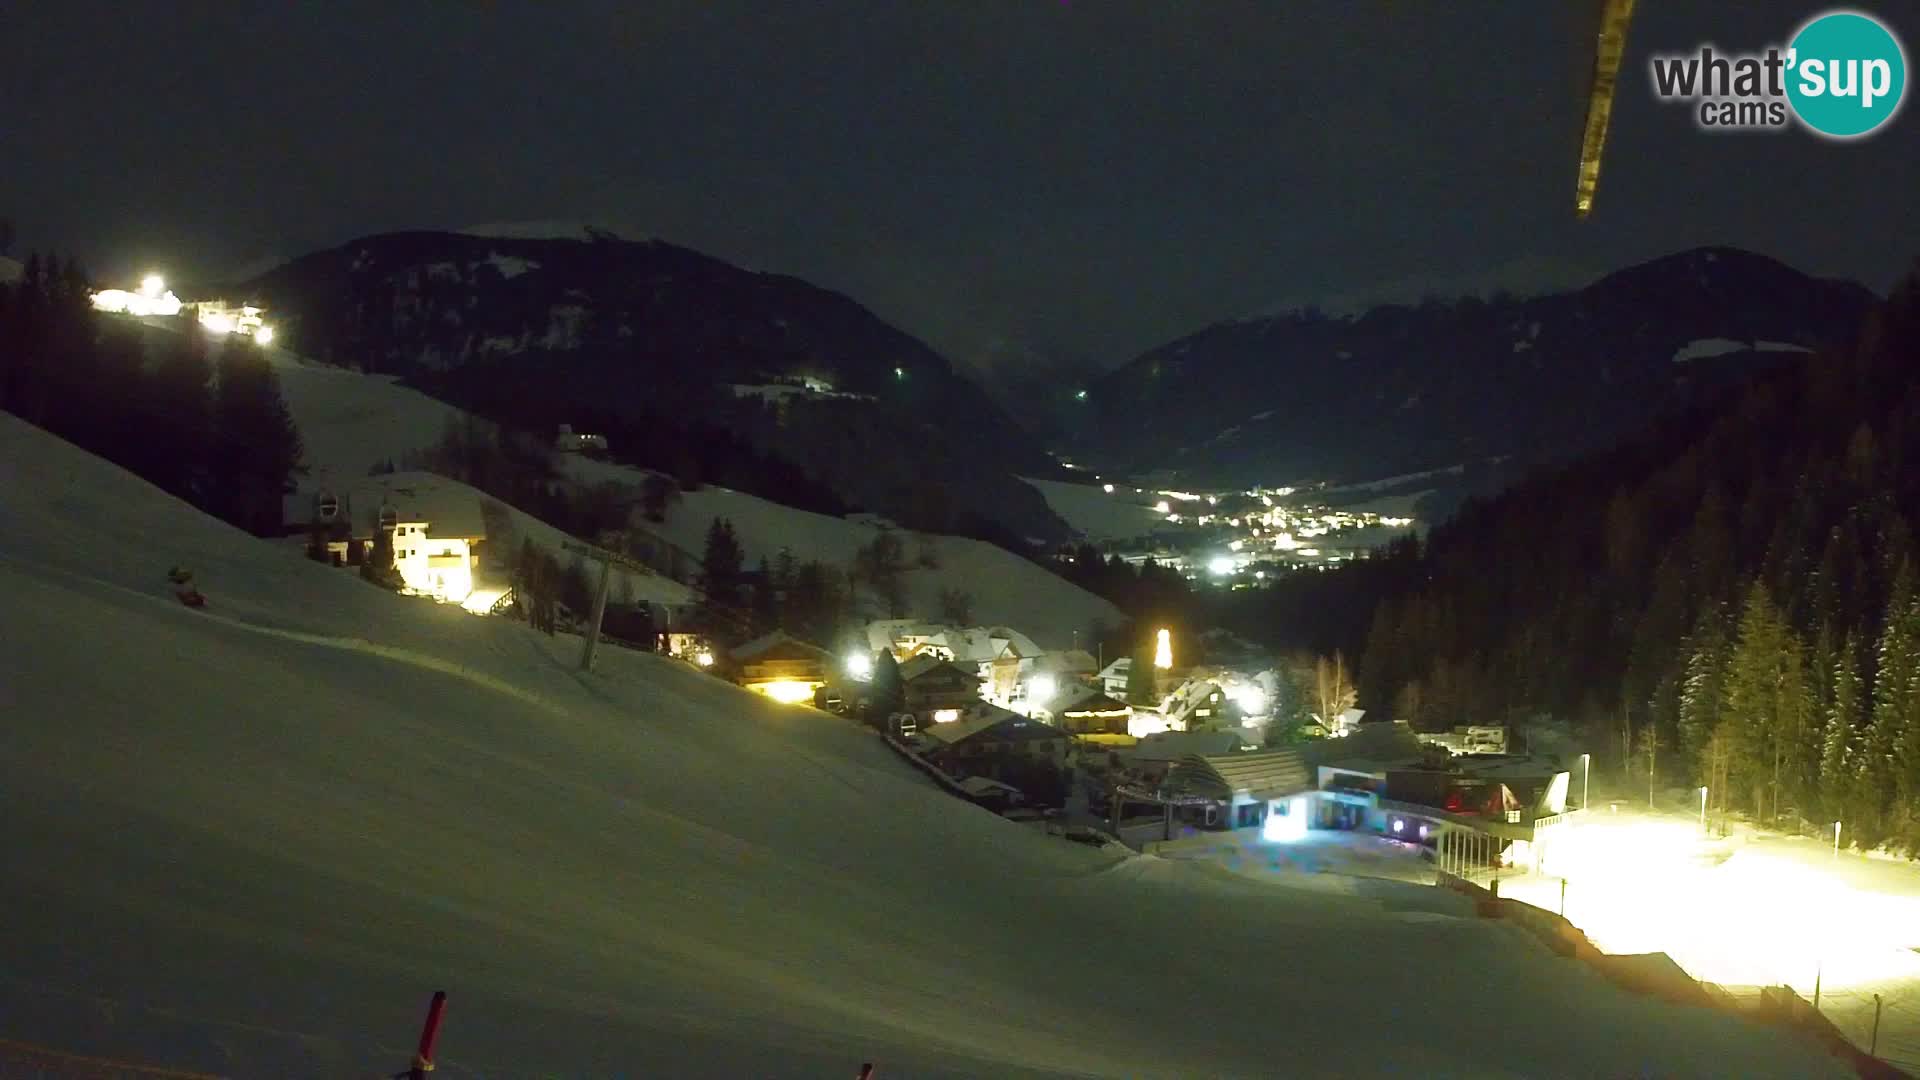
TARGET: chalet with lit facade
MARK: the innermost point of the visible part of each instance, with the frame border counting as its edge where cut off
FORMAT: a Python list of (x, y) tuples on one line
[(936, 690), (434, 524), (988, 738), (781, 667)]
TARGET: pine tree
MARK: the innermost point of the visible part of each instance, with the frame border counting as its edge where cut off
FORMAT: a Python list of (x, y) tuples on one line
[(882, 565), (1703, 687), (378, 566), (888, 693), (183, 400), (764, 600), (257, 448), (1879, 776), (1901, 698), (1752, 698), (1143, 678), (1838, 736), (720, 565)]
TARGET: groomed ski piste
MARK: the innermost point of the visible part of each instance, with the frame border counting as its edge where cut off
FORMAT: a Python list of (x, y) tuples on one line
[(251, 839)]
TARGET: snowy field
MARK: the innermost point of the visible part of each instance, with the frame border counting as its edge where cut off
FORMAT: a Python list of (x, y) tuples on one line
[(251, 840), (1097, 515), (351, 421), (1747, 911), (1005, 588)]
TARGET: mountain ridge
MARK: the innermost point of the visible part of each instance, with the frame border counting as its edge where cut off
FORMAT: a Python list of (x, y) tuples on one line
[(1403, 388), (649, 335)]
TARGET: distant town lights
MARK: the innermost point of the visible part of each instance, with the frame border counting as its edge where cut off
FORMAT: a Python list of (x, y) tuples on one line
[(1108, 488)]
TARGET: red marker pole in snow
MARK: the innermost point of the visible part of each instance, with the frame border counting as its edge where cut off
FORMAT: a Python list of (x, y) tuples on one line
[(429, 1032)]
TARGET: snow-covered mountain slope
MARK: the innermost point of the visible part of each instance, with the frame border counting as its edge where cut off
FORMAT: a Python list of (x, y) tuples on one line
[(1306, 396), (1097, 514), (252, 839), (1005, 588), (351, 421), (507, 528)]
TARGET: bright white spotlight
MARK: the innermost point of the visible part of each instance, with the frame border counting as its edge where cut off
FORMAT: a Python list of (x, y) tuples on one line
[(264, 335), (860, 666), (1286, 823), (152, 286), (1220, 566), (1040, 688)]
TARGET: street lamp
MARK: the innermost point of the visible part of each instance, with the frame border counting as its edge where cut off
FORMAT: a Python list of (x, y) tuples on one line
[(1703, 809), (1586, 780)]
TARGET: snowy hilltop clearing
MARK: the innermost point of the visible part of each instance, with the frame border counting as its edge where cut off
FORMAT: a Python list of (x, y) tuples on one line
[(251, 840), (1097, 514), (350, 422)]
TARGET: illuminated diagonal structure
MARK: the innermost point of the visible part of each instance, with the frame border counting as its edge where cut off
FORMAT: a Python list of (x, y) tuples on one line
[(1609, 50)]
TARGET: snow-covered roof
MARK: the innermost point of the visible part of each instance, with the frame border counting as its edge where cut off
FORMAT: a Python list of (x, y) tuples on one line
[(449, 508), (980, 719), (1261, 774), (778, 645), (1174, 745), (1119, 669), (1190, 696), (927, 663), (968, 644), (1086, 699), (986, 785), (1069, 662)]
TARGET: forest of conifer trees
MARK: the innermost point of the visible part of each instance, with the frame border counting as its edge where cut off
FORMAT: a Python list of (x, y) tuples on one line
[(1731, 602), (201, 419)]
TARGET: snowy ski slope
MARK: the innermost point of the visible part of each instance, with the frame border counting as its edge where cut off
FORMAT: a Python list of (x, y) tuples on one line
[(251, 840)]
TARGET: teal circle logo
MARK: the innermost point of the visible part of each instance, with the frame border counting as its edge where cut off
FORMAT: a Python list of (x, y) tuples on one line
[(1847, 74)]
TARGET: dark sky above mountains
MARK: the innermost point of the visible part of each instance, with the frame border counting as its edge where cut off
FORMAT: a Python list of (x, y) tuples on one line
[(1012, 180)]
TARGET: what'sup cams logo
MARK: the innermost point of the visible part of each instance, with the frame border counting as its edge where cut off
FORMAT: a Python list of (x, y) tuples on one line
[(1843, 75)]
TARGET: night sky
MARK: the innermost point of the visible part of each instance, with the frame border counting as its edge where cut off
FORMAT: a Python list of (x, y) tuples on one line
[(1005, 178)]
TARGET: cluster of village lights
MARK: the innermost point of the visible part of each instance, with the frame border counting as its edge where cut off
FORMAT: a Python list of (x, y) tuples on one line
[(154, 298)]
